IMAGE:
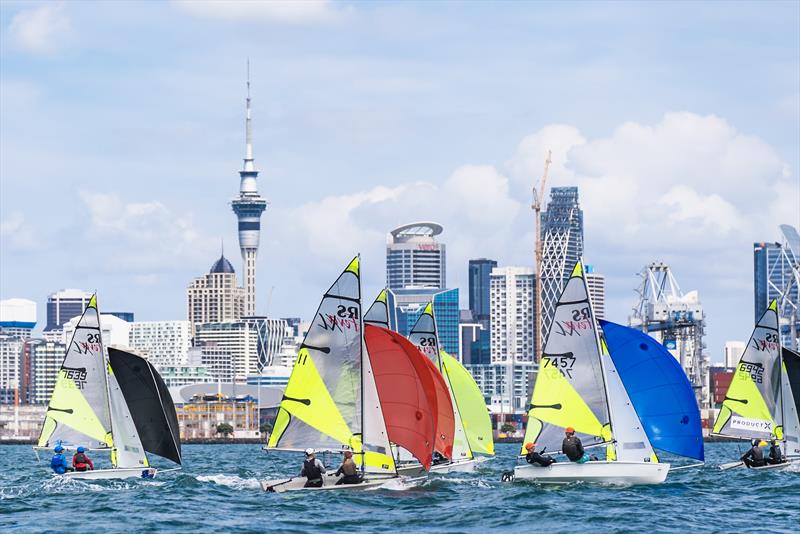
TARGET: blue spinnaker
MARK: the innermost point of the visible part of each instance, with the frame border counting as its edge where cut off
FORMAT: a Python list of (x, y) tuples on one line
[(659, 390)]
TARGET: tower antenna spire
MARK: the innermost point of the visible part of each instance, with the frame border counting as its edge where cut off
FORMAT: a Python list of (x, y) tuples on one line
[(248, 155)]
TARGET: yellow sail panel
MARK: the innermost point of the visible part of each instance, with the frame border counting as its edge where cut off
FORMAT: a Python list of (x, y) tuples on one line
[(471, 405), (555, 401), (69, 407), (376, 460), (743, 398), (308, 399)]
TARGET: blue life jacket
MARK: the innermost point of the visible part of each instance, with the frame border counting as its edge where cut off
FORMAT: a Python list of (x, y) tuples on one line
[(58, 464)]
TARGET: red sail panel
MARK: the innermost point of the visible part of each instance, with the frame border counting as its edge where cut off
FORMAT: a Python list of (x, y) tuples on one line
[(406, 390), (445, 418)]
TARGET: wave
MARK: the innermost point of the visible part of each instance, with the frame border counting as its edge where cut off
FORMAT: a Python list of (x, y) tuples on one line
[(231, 481)]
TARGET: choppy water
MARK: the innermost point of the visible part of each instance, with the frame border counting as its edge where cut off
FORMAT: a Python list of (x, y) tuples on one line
[(218, 491)]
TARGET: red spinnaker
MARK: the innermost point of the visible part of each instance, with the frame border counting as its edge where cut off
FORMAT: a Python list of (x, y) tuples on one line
[(407, 392), (445, 418)]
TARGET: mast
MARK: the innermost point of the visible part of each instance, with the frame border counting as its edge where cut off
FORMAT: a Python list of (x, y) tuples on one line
[(361, 349), (105, 377), (600, 350)]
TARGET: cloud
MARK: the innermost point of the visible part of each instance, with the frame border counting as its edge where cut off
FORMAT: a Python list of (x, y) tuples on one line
[(43, 30), (141, 238), (286, 11), (17, 233)]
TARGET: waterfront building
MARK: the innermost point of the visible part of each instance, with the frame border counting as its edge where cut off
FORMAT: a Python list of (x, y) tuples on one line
[(248, 207), (215, 297), (236, 341), (23, 422), (493, 381), (512, 315), (480, 271), (733, 352), (269, 334), (199, 417), (294, 333), (474, 341), (776, 275), (720, 381), (125, 316), (10, 354), (46, 359), (114, 330), (17, 317), (164, 343), (216, 359), (63, 305), (411, 303), (414, 258), (562, 246), (276, 376), (596, 283)]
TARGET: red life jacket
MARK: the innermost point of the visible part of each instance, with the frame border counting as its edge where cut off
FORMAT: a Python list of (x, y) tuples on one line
[(79, 461)]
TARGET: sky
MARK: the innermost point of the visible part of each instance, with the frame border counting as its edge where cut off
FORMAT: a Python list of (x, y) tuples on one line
[(122, 133)]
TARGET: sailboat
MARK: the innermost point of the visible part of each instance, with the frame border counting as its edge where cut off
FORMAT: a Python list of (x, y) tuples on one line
[(121, 406), (660, 392), (377, 320), (578, 386), (331, 402), (469, 408), (759, 403)]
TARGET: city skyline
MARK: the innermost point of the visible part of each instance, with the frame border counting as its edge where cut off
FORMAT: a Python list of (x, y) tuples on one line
[(142, 182)]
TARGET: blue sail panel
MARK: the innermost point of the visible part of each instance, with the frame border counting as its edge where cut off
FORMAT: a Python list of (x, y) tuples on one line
[(659, 390)]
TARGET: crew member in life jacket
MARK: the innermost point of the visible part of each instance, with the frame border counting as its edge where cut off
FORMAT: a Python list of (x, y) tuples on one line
[(537, 458), (81, 462), (754, 457), (573, 448), (59, 463), (348, 470), (312, 470), (775, 455)]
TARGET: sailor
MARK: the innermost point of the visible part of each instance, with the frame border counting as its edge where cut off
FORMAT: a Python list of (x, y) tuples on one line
[(754, 457), (538, 458), (81, 462), (348, 470), (59, 463), (438, 458), (775, 455), (312, 470), (572, 447)]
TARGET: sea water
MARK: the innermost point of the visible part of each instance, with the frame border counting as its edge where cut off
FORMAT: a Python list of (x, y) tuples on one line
[(218, 490)]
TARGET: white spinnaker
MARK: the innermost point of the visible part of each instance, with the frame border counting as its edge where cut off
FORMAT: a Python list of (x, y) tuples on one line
[(791, 420), (128, 449), (631, 442)]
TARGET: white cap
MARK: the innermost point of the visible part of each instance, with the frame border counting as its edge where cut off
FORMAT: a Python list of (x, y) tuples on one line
[(309, 451)]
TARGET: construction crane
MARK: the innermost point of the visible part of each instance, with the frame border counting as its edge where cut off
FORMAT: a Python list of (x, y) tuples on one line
[(536, 206)]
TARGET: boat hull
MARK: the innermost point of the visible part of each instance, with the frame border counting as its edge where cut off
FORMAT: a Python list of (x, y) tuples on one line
[(112, 474), (768, 467), (602, 472), (466, 465), (328, 483)]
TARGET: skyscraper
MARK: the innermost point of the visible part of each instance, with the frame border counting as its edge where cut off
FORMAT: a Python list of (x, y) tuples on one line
[(596, 283), (17, 317), (411, 303), (414, 259), (776, 275), (64, 305), (215, 297), (248, 207), (480, 271), (733, 352), (562, 246), (512, 314)]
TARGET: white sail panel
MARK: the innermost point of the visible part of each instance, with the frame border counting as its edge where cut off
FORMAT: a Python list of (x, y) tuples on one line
[(790, 417), (631, 443), (78, 412), (128, 450)]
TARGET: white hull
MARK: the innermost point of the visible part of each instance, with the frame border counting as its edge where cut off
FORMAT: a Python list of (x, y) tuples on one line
[(599, 472), (328, 483), (466, 465), (768, 467), (112, 474)]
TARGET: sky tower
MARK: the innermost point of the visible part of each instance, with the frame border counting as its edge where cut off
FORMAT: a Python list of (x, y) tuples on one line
[(248, 207)]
